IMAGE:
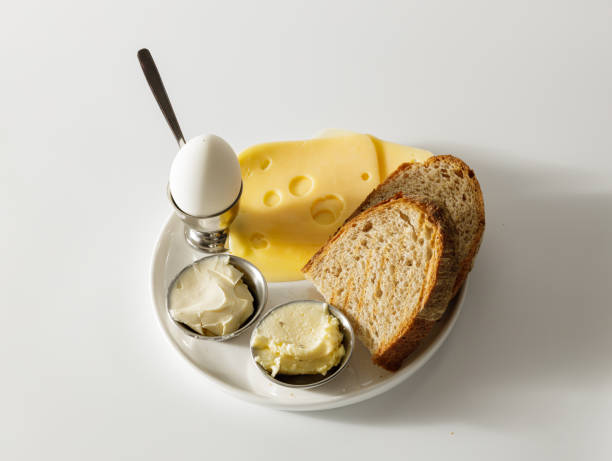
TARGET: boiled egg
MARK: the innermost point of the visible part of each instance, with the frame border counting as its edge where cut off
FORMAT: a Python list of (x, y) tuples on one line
[(205, 176)]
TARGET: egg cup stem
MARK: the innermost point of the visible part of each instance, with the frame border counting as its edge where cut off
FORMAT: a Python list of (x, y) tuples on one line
[(207, 233), (209, 242)]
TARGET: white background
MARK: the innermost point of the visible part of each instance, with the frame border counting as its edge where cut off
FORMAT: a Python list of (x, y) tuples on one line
[(521, 90)]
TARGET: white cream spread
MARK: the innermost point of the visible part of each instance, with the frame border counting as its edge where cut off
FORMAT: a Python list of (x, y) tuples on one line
[(211, 298), (298, 339)]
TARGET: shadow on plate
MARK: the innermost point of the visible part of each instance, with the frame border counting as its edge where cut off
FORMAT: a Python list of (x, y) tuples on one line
[(537, 316)]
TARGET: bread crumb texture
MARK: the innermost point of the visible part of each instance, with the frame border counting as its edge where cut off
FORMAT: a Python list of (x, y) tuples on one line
[(389, 268), (451, 183)]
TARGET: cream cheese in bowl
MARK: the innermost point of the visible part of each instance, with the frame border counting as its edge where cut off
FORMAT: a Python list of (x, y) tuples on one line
[(217, 297)]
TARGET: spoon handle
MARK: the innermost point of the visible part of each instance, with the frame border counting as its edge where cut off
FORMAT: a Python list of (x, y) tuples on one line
[(157, 87)]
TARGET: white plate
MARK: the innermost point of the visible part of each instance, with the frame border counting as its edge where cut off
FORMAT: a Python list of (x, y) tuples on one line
[(228, 364)]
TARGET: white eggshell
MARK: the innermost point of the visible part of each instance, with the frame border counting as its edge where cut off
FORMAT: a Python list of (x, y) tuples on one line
[(205, 176)]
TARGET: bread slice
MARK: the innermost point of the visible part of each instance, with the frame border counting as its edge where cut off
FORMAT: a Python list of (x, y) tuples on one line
[(391, 270), (448, 181)]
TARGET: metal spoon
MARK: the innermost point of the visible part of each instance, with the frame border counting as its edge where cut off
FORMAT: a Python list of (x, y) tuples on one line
[(157, 87)]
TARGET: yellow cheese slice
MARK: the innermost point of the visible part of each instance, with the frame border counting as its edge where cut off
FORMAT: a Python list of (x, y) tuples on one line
[(295, 195), (390, 155)]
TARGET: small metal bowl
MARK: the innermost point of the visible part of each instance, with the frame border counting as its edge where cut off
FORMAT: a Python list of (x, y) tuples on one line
[(253, 279), (310, 381)]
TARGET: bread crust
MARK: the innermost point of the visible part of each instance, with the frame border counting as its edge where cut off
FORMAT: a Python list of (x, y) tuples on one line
[(437, 291), (465, 266), (437, 288), (392, 358)]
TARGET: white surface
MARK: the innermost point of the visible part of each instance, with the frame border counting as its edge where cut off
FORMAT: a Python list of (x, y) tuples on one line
[(204, 176), (520, 90), (229, 366)]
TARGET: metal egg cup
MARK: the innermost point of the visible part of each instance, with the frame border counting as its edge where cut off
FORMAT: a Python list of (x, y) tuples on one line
[(207, 233)]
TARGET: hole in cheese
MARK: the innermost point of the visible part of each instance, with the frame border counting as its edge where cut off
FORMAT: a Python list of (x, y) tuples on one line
[(265, 163), (324, 217), (271, 198), (327, 209), (365, 176), (258, 241), (300, 186)]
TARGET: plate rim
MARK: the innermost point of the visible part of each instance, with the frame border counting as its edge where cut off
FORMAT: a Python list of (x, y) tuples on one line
[(337, 401)]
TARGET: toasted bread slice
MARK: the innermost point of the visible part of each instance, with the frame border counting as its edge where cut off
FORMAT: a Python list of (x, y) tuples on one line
[(391, 270), (447, 181)]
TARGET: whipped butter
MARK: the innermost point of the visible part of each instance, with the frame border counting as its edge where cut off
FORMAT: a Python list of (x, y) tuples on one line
[(299, 338), (210, 297)]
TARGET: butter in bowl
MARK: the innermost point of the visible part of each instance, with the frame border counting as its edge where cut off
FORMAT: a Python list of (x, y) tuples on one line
[(302, 343)]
